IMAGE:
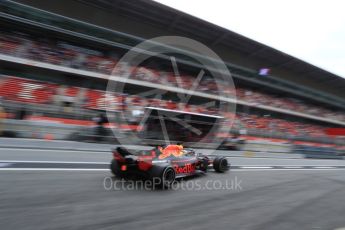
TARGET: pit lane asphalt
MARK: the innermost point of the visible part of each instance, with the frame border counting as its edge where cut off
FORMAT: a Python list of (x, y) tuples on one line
[(266, 198)]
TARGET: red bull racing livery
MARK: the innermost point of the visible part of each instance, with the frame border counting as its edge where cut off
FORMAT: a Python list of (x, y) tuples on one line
[(164, 164)]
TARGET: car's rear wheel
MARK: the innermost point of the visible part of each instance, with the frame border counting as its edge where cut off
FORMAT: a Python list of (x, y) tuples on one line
[(163, 177), (220, 164), (115, 169)]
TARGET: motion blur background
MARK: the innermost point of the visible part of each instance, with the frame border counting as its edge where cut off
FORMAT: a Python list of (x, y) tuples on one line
[(56, 57), (55, 146)]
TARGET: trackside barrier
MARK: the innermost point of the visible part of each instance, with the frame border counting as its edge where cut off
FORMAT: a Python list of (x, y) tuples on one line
[(39, 129), (57, 131), (319, 152), (253, 146), (267, 147)]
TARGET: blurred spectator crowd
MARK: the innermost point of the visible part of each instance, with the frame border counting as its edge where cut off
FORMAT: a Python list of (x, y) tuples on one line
[(68, 55)]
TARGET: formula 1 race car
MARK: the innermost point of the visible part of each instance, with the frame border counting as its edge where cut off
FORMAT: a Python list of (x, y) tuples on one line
[(164, 165)]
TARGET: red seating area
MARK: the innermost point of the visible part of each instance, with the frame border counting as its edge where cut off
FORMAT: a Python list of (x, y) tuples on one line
[(22, 90), (279, 125), (65, 54), (36, 92)]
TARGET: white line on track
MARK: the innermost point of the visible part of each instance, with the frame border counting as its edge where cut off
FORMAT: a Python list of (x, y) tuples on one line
[(291, 165), (106, 170), (256, 167), (3, 162), (323, 167), (55, 150), (56, 162), (300, 169), (51, 169)]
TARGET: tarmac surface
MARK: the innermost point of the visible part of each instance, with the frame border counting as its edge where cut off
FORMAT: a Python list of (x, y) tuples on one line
[(73, 189)]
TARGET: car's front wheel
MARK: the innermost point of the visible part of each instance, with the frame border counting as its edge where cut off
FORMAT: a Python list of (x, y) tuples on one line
[(220, 164)]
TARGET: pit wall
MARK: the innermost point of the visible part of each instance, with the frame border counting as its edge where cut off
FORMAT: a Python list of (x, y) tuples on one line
[(56, 131)]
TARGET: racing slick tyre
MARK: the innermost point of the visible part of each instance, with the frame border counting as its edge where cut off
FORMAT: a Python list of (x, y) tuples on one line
[(115, 169), (220, 164), (163, 177), (204, 164)]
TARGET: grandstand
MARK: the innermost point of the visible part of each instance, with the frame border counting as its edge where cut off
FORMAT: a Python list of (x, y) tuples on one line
[(62, 76)]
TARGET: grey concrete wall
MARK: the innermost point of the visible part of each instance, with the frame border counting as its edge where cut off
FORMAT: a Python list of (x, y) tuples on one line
[(51, 131)]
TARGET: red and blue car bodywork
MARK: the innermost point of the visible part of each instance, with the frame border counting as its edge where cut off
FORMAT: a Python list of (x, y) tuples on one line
[(163, 165)]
